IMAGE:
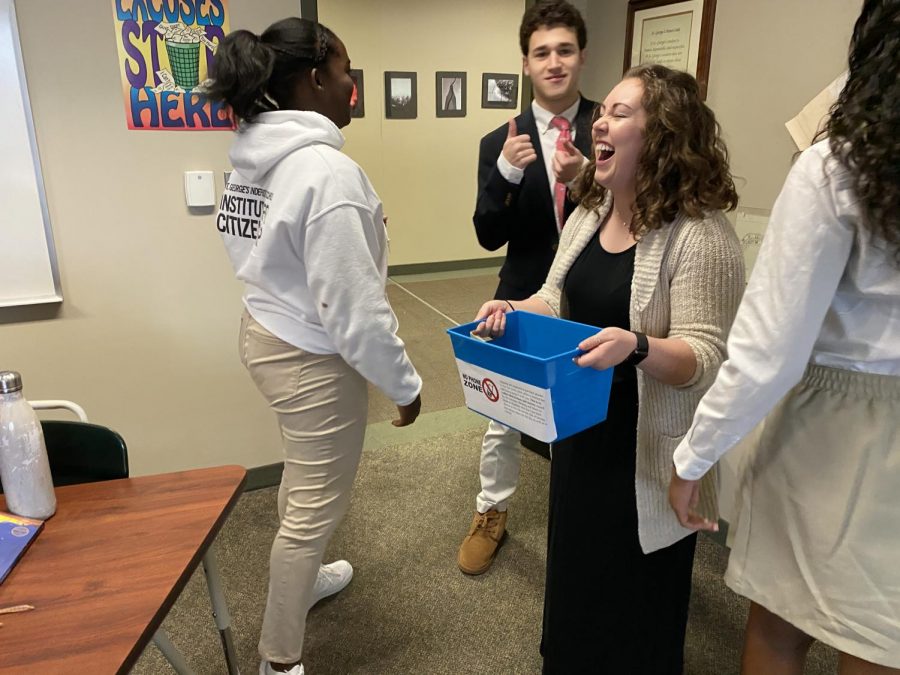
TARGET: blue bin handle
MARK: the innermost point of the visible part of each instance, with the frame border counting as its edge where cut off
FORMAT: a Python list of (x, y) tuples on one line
[(575, 353)]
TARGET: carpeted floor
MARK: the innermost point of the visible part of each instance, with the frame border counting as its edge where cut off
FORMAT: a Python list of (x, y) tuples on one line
[(424, 331), (408, 609)]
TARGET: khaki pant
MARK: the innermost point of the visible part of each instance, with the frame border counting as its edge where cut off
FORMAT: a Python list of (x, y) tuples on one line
[(814, 539), (321, 404)]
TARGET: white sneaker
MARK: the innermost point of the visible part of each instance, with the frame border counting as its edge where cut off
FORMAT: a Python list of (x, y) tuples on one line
[(331, 579), (266, 669)]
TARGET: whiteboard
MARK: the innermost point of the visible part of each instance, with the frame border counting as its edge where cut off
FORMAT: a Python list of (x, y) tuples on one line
[(28, 269)]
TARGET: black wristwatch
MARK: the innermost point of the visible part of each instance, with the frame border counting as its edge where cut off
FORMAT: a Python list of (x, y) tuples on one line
[(641, 351)]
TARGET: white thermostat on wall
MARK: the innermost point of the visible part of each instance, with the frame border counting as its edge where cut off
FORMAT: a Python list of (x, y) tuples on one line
[(199, 188)]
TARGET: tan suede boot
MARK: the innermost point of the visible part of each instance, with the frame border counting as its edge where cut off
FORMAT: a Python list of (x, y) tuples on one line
[(480, 546)]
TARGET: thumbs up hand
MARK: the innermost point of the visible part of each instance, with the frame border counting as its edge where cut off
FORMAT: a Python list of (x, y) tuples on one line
[(567, 162), (518, 149)]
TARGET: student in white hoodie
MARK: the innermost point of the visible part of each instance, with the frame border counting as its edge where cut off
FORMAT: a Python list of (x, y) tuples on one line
[(305, 233)]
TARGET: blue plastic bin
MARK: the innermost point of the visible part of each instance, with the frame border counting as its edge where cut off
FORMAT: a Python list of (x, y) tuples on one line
[(526, 379)]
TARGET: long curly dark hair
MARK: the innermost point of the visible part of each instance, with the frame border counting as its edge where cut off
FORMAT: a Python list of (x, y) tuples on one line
[(864, 128), (684, 164)]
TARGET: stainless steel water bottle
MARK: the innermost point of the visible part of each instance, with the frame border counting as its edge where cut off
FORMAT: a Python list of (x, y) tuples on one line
[(24, 469)]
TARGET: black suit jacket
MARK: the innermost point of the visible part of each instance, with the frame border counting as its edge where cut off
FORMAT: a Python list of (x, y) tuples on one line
[(522, 215)]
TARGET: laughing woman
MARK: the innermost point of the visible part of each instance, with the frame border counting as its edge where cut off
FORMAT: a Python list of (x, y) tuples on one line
[(650, 257)]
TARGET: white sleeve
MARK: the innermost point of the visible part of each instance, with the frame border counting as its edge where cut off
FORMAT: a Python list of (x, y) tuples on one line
[(347, 287), (800, 264), (509, 172)]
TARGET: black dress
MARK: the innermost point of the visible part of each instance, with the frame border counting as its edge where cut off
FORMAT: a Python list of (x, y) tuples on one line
[(608, 607)]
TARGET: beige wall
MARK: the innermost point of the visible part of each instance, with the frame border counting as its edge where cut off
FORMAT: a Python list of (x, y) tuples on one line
[(146, 337), (769, 58), (425, 170)]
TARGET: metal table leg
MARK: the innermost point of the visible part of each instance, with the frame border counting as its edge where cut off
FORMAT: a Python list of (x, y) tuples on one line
[(170, 651), (220, 610)]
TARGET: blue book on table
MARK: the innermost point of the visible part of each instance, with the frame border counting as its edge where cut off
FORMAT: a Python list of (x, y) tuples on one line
[(16, 534)]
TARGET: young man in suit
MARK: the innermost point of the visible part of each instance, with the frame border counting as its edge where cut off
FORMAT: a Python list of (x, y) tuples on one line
[(521, 204)]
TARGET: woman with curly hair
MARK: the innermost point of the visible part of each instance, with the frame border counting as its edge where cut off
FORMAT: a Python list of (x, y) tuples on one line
[(649, 257), (816, 351)]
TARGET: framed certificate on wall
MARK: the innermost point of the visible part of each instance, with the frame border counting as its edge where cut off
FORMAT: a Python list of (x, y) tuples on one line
[(673, 33)]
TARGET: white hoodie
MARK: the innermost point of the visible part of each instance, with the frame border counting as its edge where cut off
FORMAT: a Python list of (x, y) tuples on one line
[(303, 228)]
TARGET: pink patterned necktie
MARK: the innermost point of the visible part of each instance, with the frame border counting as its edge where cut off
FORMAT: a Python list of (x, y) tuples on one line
[(559, 189)]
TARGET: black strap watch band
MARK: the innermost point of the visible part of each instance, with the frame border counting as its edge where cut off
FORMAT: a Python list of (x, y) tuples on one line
[(641, 351)]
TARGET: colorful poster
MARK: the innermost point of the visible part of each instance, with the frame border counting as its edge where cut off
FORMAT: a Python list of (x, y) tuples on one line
[(166, 49)]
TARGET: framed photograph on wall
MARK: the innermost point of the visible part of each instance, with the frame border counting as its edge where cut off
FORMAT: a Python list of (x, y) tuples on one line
[(499, 90), (450, 94), (359, 110), (400, 97), (673, 33)]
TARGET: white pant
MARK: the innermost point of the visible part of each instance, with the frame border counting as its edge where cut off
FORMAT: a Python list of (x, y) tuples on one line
[(500, 460)]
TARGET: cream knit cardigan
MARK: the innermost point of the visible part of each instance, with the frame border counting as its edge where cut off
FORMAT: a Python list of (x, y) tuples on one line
[(687, 283)]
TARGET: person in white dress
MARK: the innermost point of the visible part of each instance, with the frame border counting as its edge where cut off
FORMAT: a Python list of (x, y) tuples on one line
[(815, 350)]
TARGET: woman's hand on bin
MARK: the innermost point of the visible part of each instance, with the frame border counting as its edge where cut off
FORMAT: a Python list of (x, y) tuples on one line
[(492, 318), (408, 413), (606, 349)]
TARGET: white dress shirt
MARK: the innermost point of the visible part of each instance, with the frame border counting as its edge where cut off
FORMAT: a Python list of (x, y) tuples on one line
[(823, 291), (549, 135)]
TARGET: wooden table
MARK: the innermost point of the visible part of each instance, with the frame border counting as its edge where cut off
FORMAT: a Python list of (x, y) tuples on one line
[(107, 568)]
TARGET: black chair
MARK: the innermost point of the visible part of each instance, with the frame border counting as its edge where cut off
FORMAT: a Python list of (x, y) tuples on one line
[(80, 452)]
